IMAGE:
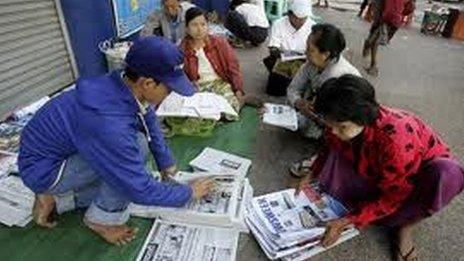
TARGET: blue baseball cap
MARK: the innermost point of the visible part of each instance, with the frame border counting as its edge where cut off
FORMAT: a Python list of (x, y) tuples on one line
[(156, 57)]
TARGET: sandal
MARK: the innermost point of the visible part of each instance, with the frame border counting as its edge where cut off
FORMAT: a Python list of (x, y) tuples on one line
[(300, 169), (410, 256)]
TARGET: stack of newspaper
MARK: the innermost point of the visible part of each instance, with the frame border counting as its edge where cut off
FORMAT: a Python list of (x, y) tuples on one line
[(16, 202), (203, 105), (281, 116), (8, 164), (9, 138), (169, 240), (224, 207), (291, 226), (220, 162)]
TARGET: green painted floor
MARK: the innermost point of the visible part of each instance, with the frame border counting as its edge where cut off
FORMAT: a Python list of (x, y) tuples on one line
[(71, 240)]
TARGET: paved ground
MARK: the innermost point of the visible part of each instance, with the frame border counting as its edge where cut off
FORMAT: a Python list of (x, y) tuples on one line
[(420, 73)]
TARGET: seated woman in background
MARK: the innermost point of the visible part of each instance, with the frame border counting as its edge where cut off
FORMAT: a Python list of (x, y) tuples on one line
[(288, 35), (324, 60), (211, 64), (247, 21), (386, 165)]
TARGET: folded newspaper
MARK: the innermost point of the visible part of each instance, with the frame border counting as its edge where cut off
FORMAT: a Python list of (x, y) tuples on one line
[(224, 207), (281, 116), (286, 56), (16, 202), (291, 227), (204, 105), (8, 164), (220, 162), (169, 240)]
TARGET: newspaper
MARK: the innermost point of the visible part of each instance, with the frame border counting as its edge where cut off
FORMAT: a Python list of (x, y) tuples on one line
[(204, 105), (171, 241), (16, 202), (30, 109), (224, 207), (288, 55), (289, 226), (220, 162), (281, 116), (9, 138), (8, 164)]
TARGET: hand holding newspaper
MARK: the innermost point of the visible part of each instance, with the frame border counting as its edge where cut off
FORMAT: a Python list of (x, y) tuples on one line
[(281, 116), (291, 227), (203, 105)]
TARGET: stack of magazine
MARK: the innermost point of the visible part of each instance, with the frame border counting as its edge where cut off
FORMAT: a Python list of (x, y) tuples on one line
[(205, 229), (224, 207), (175, 241), (289, 226), (16, 202)]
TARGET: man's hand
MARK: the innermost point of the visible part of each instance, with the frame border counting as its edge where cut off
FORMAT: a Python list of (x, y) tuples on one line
[(334, 231), (202, 187), (168, 173)]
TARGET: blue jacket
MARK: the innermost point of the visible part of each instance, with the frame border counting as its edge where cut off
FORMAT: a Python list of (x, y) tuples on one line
[(99, 120)]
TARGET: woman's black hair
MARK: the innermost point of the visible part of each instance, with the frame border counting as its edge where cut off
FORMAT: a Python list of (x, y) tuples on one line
[(347, 98), (328, 38), (193, 13)]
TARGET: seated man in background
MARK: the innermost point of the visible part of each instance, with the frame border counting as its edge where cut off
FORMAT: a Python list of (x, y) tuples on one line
[(247, 21), (288, 35), (168, 22), (87, 147)]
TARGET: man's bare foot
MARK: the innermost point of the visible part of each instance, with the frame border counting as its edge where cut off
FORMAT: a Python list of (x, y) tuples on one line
[(115, 234), (405, 249), (44, 204), (372, 70)]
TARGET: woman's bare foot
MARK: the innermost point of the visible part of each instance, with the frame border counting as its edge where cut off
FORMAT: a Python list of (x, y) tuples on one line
[(406, 251), (115, 234), (44, 204)]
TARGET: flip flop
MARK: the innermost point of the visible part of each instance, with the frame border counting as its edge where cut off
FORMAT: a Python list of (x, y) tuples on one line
[(298, 169), (407, 256)]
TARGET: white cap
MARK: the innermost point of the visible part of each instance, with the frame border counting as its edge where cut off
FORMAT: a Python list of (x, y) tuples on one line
[(301, 8)]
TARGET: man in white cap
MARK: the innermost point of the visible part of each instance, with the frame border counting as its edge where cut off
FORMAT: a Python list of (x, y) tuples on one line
[(288, 34)]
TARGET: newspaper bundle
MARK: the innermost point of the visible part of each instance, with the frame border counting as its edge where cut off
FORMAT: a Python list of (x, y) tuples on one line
[(8, 164), (290, 226), (16, 202), (224, 207), (204, 105), (172, 241), (9, 138), (220, 162), (281, 116)]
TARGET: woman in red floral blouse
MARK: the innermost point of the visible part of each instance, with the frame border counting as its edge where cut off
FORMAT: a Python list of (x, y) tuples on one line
[(386, 165)]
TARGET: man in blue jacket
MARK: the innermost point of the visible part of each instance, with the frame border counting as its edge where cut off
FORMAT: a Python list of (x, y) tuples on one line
[(87, 147)]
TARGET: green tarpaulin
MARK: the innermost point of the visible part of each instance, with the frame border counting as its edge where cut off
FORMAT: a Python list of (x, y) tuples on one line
[(71, 240)]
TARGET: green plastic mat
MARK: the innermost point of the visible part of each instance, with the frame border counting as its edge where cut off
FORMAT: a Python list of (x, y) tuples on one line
[(71, 240)]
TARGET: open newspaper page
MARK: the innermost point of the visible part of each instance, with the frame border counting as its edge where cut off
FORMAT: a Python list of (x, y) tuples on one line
[(285, 224), (170, 241), (16, 202), (281, 116), (216, 161), (201, 105), (223, 207)]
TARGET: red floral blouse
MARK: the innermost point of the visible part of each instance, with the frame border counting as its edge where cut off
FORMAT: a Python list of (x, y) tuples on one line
[(392, 150)]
